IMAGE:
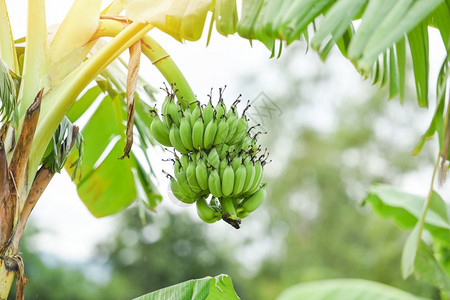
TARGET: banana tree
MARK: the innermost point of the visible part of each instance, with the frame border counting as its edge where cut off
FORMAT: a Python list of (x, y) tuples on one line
[(48, 83)]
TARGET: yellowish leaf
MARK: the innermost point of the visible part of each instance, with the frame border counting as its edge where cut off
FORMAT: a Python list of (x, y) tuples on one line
[(70, 44), (182, 19)]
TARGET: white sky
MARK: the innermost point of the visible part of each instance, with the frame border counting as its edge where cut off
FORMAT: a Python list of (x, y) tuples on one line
[(70, 230)]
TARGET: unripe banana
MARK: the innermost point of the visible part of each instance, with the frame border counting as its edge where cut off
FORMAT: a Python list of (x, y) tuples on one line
[(180, 175), (175, 139), (192, 178), (232, 126), (187, 115), (239, 180), (223, 165), (224, 149), (241, 131), (160, 132), (184, 160), (164, 105), (220, 109), (251, 203), (213, 158), (214, 184), (242, 214), (222, 131), (195, 114), (208, 112), (206, 212), (201, 173), (186, 134), (236, 162), (197, 134), (245, 142), (210, 134), (228, 209), (227, 181), (249, 175), (180, 193), (257, 180), (173, 114)]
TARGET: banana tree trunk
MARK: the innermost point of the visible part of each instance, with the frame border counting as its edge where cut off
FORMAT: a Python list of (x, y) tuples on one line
[(6, 278)]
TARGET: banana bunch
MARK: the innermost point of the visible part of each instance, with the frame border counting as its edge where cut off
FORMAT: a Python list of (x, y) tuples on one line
[(217, 156)]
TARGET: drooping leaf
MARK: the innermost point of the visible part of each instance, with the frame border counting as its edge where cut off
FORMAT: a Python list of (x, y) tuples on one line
[(437, 122), (406, 209), (410, 250), (418, 44), (345, 289), (71, 42), (208, 288), (336, 22), (108, 184), (225, 15)]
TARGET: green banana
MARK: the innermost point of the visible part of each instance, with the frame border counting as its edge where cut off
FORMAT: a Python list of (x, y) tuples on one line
[(256, 181), (222, 131), (201, 173), (228, 209), (232, 122), (239, 180), (180, 192), (184, 160), (165, 104), (210, 133), (236, 162), (186, 134), (241, 130), (173, 114), (195, 114), (242, 214), (227, 181), (192, 178), (220, 108), (222, 166), (224, 150), (206, 212), (215, 187), (186, 113), (197, 134), (175, 139), (249, 175), (208, 112), (160, 132), (213, 158), (252, 202)]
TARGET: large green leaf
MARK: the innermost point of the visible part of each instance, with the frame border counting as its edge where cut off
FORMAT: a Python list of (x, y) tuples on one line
[(405, 209), (108, 185), (208, 288), (345, 289)]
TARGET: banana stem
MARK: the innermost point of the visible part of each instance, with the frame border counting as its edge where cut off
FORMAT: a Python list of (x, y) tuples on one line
[(165, 64), (158, 56)]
